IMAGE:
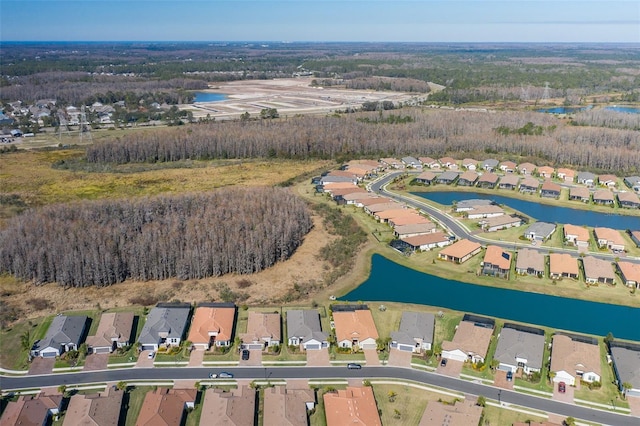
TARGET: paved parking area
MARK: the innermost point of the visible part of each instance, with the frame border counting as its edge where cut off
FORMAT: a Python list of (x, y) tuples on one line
[(196, 357), (453, 368), (634, 405), (96, 362), (501, 381), (255, 358), (398, 358), (371, 356), (318, 358), (41, 365)]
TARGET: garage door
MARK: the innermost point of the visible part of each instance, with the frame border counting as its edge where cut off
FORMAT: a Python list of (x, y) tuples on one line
[(454, 356), (148, 348), (314, 346), (48, 354), (369, 346), (405, 348), (633, 392), (102, 350)]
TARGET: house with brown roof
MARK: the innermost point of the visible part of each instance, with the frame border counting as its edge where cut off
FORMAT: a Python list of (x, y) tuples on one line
[(597, 271), (411, 230), (628, 200), (610, 181), (429, 162), (576, 235), (580, 193), (31, 410), (166, 407), (471, 341), (353, 405), (391, 163), (426, 177), (530, 262), (380, 207), (373, 200), (448, 163), (424, 242), (101, 409), (609, 238), (460, 413), (263, 330), (575, 358), (526, 168), (497, 223), (550, 189), (385, 215), (566, 175), (529, 185), (629, 273), (603, 196), (212, 325), (235, 407), (354, 197), (509, 182), (546, 172), (483, 212), (114, 331), (460, 251), (410, 217), (488, 180), (508, 166), (563, 265), (470, 164), (287, 407), (635, 237), (354, 327), (497, 262), (329, 187), (467, 178)]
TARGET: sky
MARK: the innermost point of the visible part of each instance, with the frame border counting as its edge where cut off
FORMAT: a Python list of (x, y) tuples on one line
[(322, 20)]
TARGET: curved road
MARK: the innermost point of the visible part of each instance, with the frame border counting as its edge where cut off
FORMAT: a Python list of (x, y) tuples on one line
[(454, 226), (272, 373)]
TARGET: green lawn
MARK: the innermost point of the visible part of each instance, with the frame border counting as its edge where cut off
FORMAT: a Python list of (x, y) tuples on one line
[(499, 416), (17, 358), (193, 416), (410, 403), (134, 403)]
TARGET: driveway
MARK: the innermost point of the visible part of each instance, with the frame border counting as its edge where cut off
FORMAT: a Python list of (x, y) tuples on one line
[(564, 397), (452, 369), (41, 366), (501, 381), (96, 362), (634, 405), (196, 357), (255, 359), (144, 361), (318, 358), (398, 358), (371, 356)]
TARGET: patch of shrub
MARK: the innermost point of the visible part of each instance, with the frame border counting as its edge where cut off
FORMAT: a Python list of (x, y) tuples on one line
[(144, 300), (39, 303)]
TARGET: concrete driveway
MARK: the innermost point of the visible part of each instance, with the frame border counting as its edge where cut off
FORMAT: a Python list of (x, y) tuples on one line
[(41, 366), (255, 358), (501, 381), (634, 405), (452, 369), (144, 361), (96, 362), (196, 357), (318, 358), (567, 396), (371, 356), (398, 358)]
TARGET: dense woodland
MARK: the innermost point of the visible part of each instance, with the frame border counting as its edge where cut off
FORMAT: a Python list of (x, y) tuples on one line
[(430, 132), (189, 236)]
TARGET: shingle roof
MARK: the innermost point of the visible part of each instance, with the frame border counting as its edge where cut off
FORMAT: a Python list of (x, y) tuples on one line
[(234, 408), (354, 324), (63, 329), (595, 268), (570, 355), (305, 324), (286, 407), (627, 362), (414, 325), (165, 319), (97, 409), (460, 249), (262, 325), (470, 338), (165, 407), (514, 344), (543, 229), (528, 258), (114, 326)]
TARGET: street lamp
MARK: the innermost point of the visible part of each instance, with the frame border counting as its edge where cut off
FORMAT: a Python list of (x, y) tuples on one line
[(499, 393)]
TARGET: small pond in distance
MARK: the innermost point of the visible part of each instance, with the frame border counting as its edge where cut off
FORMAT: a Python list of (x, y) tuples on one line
[(209, 97)]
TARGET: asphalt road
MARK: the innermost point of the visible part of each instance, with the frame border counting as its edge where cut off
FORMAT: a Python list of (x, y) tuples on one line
[(273, 373), (379, 186)]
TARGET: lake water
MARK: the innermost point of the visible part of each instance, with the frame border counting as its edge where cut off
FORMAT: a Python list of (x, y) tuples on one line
[(541, 212), (390, 282), (628, 110), (562, 110), (209, 97)]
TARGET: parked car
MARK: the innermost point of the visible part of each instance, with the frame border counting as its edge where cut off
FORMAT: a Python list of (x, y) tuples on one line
[(245, 354), (354, 366), (562, 387), (151, 355), (443, 362), (213, 376), (225, 375), (509, 376)]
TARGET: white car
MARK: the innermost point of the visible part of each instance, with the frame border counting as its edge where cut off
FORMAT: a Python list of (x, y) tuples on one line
[(213, 376), (151, 355)]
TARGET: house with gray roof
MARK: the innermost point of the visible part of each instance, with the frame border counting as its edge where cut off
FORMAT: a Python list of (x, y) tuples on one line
[(467, 205), (530, 262), (304, 329), (587, 178), (540, 231), (165, 326), (633, 182), (447, 177), (415, 333), (64, 334), (412, 162), (626, 366), (520, 347), (490, 164)]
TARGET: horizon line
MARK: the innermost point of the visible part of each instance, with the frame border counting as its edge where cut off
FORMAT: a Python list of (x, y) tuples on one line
[(325, 41)]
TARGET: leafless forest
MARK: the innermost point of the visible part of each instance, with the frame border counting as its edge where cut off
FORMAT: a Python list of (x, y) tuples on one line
[(432, 132), (188, 236), (608, 119)]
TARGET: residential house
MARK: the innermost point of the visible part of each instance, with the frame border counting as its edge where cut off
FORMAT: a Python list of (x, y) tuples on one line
[(587, 178), (448, 163), (610, 181), (64, 334), (497, 262), (470, 164), (165, 326), (380, 207), (509, 182), (391, 163), (467, 178), (429, 162), (526, 168), (609, 238), (508, 166), (497, 223), (355, 197), (212, 325), (405, 231), (410, 217), (340, 194), (233, 407), (447, 177), (114, 331), (329, 179), (529, 185), (576, 235), (490, 164), (563, 265), (629, 273), (32, 410), (415, 333), (385, 215), (635, 237), (101, 409), (566, 175), (304, 329), (575, 358), (166, 407), (628, 200), (458, 413), (411, 162), (423, 242), (625, 358), (349, 174), (483, 212), (353, 405), (520, 347), (460, 252), (333, 186), (550, 189), (373, 200), (633, 182), (603, 196), (354, 327), (546, 172), (597, 271), (530, 262), (471, 340), (426, 177), (580, 193), (467, 205), (263, 330), (488, 180), (287, 407), (540, 231)]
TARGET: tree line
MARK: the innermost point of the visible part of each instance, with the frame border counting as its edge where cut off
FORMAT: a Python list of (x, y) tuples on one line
[(238, 230), (427, 132)]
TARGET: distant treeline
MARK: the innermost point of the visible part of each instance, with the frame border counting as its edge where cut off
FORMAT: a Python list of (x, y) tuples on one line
[(189, 236), (430, 132)]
